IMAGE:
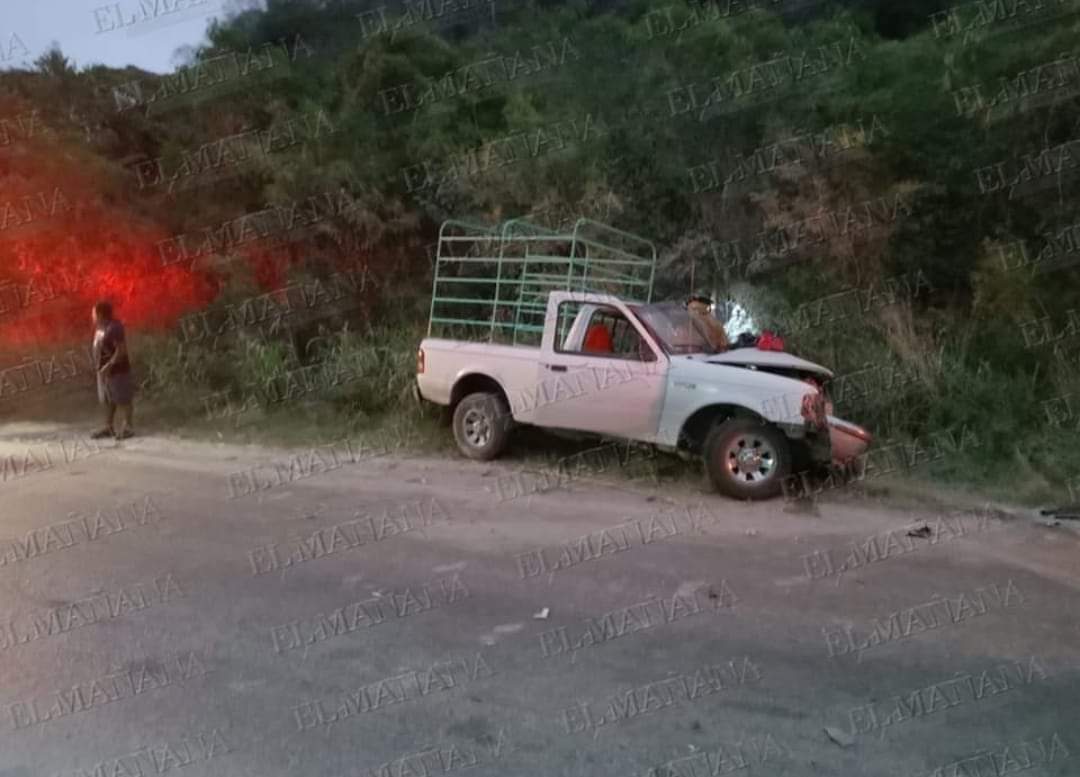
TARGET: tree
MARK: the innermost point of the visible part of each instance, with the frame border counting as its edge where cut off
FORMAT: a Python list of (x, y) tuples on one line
[(54, 63)]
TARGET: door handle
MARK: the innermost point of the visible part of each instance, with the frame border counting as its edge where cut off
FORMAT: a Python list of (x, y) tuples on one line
[(556, 367)]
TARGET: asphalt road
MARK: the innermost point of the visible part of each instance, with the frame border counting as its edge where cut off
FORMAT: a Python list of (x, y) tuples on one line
[(372, 614)]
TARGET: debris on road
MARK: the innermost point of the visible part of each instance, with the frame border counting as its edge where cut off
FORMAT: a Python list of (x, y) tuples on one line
[(922, 532), (542, 615), (1069, 513), (840, 737)]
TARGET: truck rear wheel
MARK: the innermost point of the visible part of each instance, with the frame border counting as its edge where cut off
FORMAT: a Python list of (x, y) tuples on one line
[(747, 459), (482, 423)]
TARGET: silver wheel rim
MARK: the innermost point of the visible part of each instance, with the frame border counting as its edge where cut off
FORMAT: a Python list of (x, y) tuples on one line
[(477, 427), (750, 459)]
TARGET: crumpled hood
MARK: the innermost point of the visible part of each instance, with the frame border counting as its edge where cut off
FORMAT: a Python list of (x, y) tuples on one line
[(739, 357)]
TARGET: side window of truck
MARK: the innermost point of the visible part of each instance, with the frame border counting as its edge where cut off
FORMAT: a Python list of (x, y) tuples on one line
[(608, 333)]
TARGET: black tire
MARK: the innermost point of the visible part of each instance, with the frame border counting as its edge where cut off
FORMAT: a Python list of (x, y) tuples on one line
[(757, 478), (482, 424)]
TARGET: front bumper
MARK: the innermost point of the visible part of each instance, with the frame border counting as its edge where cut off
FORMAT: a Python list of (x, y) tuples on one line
[(848, 440)]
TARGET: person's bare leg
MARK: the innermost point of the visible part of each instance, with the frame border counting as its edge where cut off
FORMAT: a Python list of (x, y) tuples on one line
[(126, 413), (110, 414)]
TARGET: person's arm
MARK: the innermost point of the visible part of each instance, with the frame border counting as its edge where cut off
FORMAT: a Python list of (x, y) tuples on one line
[(713, 330), (720, 338), (119, 352)]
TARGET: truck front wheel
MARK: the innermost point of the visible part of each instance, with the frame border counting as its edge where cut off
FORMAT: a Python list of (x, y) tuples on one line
[(747, 459), (482, 425)]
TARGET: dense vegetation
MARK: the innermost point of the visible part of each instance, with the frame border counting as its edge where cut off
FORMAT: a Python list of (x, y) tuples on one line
[(907, 177)]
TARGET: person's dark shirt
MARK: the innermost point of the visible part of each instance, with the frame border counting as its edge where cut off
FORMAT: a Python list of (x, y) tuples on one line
[(114, 336)]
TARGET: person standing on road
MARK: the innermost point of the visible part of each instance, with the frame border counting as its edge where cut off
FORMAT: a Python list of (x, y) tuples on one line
[(698, 306), (115, 387)]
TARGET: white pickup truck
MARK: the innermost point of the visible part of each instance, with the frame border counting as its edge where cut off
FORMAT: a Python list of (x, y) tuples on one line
[(643, 372)]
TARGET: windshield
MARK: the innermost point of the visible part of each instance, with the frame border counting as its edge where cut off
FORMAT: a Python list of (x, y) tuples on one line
[(676, 330)]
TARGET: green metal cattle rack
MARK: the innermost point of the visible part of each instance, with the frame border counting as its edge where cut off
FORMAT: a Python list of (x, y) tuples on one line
[(491, 283)]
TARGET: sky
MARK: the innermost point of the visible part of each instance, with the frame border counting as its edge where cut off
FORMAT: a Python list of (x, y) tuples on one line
[(144, 33)]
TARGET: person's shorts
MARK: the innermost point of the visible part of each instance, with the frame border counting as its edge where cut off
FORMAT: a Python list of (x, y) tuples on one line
[(116, 389)]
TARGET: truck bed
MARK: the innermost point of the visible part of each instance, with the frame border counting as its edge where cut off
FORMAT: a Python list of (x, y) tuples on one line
[(513, 366)]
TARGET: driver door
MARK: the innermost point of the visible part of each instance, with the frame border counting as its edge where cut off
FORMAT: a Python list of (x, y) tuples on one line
[(602, 375)]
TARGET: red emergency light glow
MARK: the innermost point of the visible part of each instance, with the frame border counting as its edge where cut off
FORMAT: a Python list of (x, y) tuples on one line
[(51, 288)]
